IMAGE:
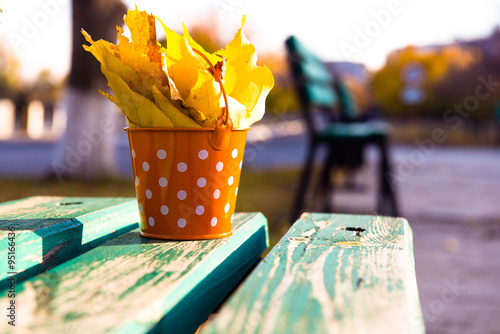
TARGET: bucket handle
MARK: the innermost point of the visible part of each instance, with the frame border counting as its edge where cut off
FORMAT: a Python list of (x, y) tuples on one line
[(220, 138)]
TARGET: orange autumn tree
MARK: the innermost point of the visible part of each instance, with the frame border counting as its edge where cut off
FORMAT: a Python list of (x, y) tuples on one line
[(438, 64)]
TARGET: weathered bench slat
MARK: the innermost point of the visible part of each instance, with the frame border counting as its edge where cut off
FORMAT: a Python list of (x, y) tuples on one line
[(131, 283), (330, 274), (50, 230)]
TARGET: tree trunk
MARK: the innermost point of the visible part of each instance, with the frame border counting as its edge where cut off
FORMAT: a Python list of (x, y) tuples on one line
[(85, 150)]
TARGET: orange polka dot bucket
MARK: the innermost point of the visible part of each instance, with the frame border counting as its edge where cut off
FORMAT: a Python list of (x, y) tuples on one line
[(186, 180)]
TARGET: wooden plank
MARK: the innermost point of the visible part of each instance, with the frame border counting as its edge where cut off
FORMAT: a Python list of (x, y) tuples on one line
[(50, 230), (357, 130), (313, 70), (320, 95), (309, 66), (350, 107), (131, 283), (314, 78), (330, 274)]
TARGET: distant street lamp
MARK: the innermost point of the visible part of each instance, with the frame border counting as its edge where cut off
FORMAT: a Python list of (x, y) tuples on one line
[(413, 76)]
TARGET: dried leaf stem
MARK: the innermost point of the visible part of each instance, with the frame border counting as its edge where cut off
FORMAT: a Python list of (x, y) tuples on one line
[(217, 78)]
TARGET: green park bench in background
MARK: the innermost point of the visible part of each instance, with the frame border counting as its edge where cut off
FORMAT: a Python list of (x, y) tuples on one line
[(342, 130), (82, 267)]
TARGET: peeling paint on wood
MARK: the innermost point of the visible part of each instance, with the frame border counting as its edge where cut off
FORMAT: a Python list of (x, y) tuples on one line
[(132, 284), (50, 230), (330, 274)]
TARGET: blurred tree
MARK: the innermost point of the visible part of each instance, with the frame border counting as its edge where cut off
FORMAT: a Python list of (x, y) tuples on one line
[(282, 98), (46, 90), (206, 33), (4, 67), (85, 151), (99, 18), (437, 64), (358, 89), (9, 74), (461, 81), (11, 87)]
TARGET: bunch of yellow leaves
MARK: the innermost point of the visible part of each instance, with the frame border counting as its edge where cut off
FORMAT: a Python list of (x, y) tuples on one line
[(177, 86)]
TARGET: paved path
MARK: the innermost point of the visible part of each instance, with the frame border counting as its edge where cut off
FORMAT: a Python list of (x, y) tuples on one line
[(449, 183)]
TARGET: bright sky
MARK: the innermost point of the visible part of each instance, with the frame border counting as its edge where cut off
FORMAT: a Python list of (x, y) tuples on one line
[(37, 32)]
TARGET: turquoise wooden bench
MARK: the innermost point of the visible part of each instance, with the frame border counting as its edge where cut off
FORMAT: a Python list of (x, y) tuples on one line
[(322, 94), (50, 230), (328, 273)]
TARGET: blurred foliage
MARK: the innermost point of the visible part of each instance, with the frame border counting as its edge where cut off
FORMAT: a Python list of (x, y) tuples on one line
[(9, 74), (359, 89), (44, 88), (451, 75), (206, 33), (388, 82), (282, 97)]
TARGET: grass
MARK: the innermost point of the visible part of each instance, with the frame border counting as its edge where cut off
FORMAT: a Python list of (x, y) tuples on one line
[(16, 189), (269, 192)]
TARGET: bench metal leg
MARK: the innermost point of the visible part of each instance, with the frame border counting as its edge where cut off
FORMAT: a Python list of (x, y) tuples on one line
[(304, 183), (387, 191), (326, 188)]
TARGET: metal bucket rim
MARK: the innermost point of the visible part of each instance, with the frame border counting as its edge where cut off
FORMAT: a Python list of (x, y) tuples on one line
[(178, 129)]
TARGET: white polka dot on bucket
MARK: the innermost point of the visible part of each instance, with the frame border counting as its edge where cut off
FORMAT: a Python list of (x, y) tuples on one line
[(133, 153), (230, 180), (164, 210), (226, 208), (181, 167), (232, 217), (151, 221), (235, 153), (161, 154), (203, 154), (181, 223), (163, 182), (149, 194), (145, 166), (201, 182), (236, 192), (213, 222), (136, 181), (140, 208), (241, 163), (219, 166), (181, 195), (199, 210), (216, 193)]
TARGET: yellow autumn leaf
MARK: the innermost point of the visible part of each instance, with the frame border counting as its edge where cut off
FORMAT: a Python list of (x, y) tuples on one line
[(213, 58), (143, 34), (139, 61), (246, 82), (135, 80), (138, 109), (132, 69), (179, 86), (177, 118), (191, 82)]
